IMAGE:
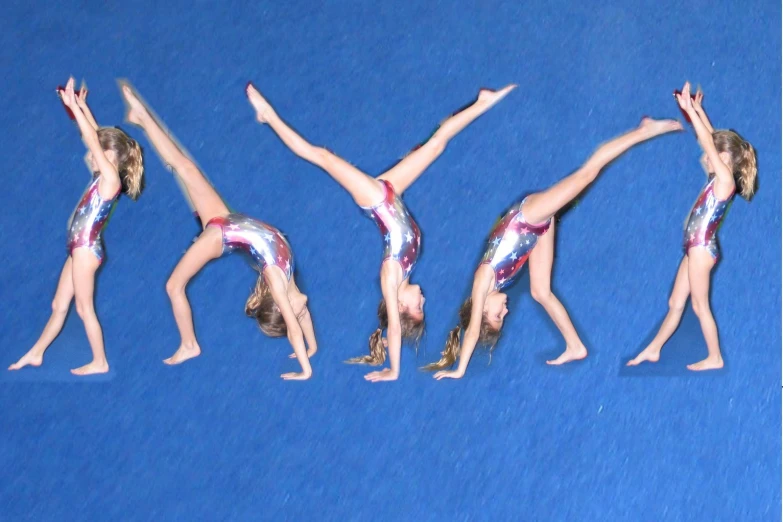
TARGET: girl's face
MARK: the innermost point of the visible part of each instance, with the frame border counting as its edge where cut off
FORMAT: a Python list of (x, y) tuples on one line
[(495, 309), (412, 301), (93, 166)]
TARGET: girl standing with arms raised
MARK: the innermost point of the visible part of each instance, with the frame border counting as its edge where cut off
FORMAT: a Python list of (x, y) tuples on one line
[(730, 162), (401, 311), (116, 165)]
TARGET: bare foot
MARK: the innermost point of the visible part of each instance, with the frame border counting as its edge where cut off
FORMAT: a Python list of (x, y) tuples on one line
[(294, 376), (383, 375), (570, 354), (490, 97), (92, 368), (657, 127), (263, 110), (136, 110), (29, 359), (710, 363), (649, 354), (183, 353)]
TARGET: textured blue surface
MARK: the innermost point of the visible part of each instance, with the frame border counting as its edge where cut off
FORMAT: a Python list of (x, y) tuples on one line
[(222, 437)]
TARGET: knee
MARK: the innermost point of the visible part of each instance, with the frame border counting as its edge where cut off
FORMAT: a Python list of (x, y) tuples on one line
[(60, 307), (84, 308), (174, 287), (436, 145), (321, 156), (676, 304), (700, 307), (541, 295)]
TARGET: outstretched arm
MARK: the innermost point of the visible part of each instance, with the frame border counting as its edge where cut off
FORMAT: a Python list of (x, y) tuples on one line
[(481, 284), (279, 293), (110, 179), (704, 136)]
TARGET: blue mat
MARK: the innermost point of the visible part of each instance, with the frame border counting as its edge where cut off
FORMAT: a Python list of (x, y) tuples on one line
[(222, 437)]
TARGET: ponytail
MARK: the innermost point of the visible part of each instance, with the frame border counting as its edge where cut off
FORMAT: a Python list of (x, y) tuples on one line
[(449, 354)]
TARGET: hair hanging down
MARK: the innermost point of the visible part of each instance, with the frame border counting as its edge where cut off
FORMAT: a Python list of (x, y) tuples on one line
[(261, 306), (743, 160), (412, 330), (129, 159), (488, 336)]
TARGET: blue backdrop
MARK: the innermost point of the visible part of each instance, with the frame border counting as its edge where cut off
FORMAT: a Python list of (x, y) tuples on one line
[(222, 437)]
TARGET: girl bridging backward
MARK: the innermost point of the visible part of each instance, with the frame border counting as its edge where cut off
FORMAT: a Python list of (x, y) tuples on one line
[(276, 303), (115, 162), (527, 231), (401, 311), (730, 163)]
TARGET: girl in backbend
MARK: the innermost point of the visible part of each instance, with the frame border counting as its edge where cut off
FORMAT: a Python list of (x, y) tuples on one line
[(115, 162), (401, 311), (276, 303), (527, 231), (730, 162)]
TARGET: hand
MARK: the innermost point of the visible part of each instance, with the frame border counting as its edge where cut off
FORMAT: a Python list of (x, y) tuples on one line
[(684, 98), (383, 375), (698, 98), (81, 98), (455, 374), (67, 95), (293, 376)]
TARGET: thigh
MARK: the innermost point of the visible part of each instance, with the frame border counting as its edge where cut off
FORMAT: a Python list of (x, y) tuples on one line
[(84, 266), (700, 263), (540, 261), (207, 247)]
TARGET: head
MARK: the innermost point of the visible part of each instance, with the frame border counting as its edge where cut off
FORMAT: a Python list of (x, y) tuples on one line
[(125, 154), (489, 332), (739, 156), (412, 323), (410, 302), (262, 307)]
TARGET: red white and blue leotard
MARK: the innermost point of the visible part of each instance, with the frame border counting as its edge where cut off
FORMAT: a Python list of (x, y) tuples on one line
[(265, 245), (701, 229), (510, 244), (89, 219), (401, 234)]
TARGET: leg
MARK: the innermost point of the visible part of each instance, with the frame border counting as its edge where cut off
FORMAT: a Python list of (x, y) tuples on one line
[(198, 190), (365, 190), (205, 249), (540, 278), (542, 206), (405, 173), (700, 263), (85, 264), (677, 300), (60, 306)]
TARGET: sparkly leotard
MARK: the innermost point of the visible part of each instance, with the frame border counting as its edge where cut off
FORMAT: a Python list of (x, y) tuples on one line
[(89, 218), (701, 229), (401, 235), (510, 244), (265, 245)]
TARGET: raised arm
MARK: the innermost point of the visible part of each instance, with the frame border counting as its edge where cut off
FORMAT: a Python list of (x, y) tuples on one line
[(481, 285), (110, 179), (277, 288), (701, 112), (82, 101), (722, 171)]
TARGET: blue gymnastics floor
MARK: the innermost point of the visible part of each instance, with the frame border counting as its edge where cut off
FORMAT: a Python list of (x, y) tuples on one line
[(222, 437)]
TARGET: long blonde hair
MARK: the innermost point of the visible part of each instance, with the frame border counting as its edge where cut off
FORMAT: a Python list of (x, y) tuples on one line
[(262, 307), (743, 160), (488, 336), (130, 161), (412, 330)]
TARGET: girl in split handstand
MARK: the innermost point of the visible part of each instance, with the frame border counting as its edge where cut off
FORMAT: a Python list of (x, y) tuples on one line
[(276, 303), (401, 311)]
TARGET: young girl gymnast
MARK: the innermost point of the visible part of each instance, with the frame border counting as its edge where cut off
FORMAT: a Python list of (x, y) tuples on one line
[(276, 303), (401, 311), (527, 231), (730, 163), (115, 162)]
